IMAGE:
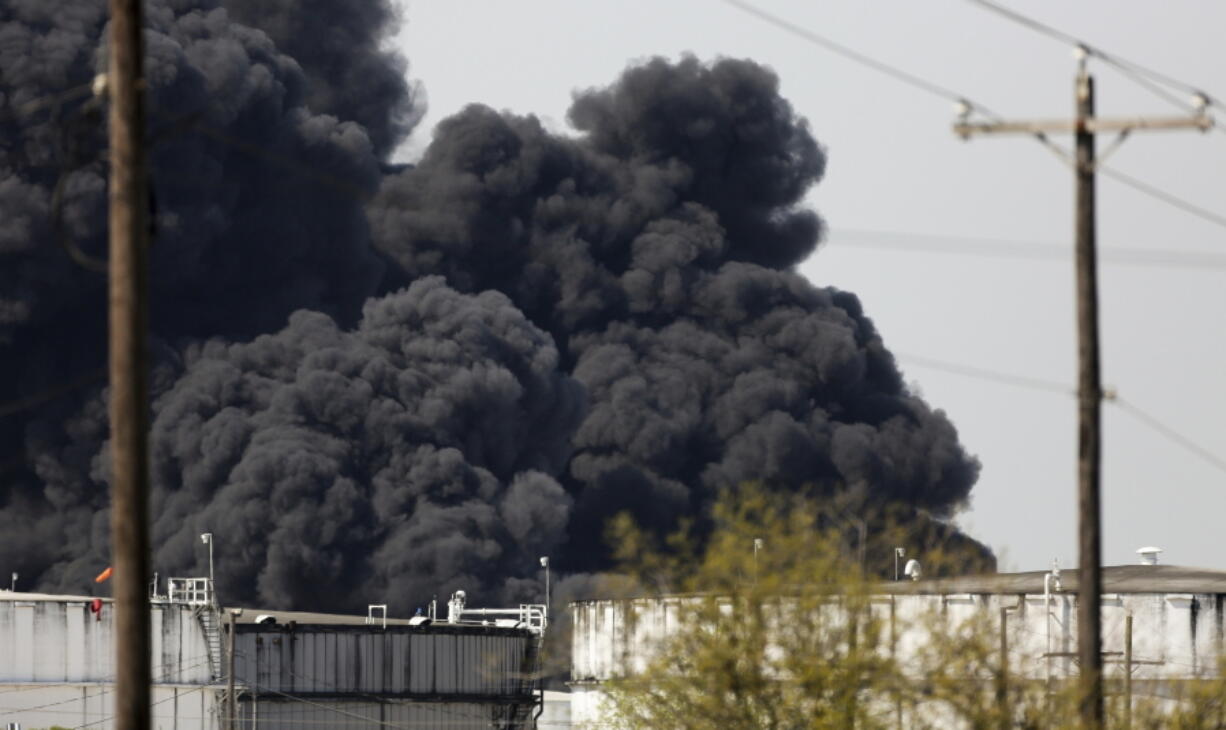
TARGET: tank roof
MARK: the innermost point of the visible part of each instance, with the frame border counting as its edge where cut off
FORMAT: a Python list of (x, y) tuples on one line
[(1116, 579)]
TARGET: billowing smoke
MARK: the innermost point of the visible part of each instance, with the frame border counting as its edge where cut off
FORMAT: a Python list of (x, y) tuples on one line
[(258, 212), (350, 73), (657, 249), (394, 384)]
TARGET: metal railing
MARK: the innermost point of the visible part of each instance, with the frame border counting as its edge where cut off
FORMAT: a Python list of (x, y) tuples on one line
[(192, 591), (531, 616)]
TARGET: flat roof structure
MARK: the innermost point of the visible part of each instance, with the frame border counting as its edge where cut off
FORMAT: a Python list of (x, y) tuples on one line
[(1116, 579)]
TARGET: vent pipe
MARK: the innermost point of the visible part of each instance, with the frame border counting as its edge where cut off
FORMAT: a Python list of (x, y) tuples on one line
[(1149, 555)]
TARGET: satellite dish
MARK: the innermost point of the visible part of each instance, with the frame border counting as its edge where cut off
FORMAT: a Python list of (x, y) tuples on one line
[(913, 570), (266, 619)]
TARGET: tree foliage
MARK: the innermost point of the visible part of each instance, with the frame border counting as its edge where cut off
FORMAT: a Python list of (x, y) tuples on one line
[(775, 624)]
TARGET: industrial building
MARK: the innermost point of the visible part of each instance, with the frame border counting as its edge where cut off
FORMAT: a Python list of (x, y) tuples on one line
[(1177, 620), (473, 668)]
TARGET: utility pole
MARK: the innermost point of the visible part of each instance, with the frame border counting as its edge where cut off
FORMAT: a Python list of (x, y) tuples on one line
[(1002, 689), (231, 700), (129, 316), (758, 543), (1084, 127), (1128, 672), (898, 723), (1089, 421)]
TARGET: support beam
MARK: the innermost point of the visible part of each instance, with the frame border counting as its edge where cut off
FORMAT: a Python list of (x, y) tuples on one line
[(966, 129)]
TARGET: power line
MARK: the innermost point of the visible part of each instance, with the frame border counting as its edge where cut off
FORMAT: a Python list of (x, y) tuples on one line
[(943, 92), (1023, 381), (1168, 198), (50, 394), (1114, 59), (1140, 74), (174, 697), (1170, 433), (1001, 248), (894, 72), (54, 99), (1111, 396)]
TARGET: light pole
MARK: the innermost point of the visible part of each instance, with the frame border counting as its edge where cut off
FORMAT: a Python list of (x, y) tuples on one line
[(545, 565), (757, 545), (207, 539)]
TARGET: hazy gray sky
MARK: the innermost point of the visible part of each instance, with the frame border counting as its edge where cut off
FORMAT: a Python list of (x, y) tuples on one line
[(894, 167)]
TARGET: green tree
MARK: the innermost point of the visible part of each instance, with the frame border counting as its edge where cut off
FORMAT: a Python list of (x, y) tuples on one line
[(776, 634), (787, 633)]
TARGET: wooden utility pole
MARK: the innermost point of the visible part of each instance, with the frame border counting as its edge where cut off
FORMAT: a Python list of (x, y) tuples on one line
[(894, 658), (231, 700), (1089, 428), (1128, 672), (1084, 127), (1002, 691), (129, 316)]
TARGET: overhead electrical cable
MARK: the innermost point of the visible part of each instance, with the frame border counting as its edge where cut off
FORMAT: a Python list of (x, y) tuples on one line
[(1168, 198), (1141, 74), (892, 71), (50, 394), (1109, 396), (999, 248), (969, 105), (1170, 433), (1023, 381)]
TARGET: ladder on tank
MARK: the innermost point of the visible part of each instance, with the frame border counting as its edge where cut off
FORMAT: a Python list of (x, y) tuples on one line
[(198, 593), (530, 676), (211, 625)]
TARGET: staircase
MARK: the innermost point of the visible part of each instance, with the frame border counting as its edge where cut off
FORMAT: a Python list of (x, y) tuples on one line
[(210, 623), (524, 715)]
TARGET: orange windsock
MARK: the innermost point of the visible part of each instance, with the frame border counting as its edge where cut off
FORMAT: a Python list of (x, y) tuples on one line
[(104, 574)]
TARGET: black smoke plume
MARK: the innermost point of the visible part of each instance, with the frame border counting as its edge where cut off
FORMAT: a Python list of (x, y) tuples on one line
[(657, 249), (397, 384), (350, 73)]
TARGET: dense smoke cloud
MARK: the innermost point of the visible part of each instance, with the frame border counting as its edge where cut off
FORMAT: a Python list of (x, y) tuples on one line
[(487, 354), (350, 73), (656, 248), (242, 236)]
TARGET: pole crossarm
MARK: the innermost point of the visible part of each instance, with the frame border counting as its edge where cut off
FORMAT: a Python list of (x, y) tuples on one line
[(1093, 125)]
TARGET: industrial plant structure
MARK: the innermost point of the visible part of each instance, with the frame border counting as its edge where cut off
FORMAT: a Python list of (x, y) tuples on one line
[(473, 668), (1176, 616)]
